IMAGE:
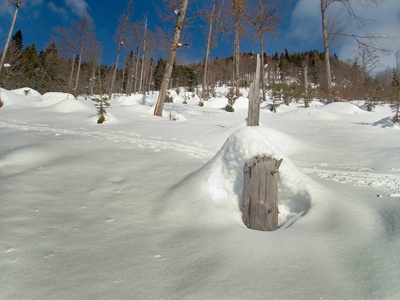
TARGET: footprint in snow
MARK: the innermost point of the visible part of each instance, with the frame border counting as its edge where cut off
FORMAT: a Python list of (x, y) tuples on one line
[(116, 179), (112, 221), (49, 256), (159, 256)]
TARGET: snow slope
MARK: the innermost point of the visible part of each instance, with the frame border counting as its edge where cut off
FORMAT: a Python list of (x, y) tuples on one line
[(144, 207)]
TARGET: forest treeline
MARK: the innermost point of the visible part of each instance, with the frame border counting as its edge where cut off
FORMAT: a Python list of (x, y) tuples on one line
[(47, 70)]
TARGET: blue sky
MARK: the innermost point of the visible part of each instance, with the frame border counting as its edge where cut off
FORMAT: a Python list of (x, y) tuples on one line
[(300, 30)]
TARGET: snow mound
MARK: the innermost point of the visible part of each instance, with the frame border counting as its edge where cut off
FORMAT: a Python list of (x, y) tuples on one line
[(26, 91), (386, 123), (309, 114), (241, 103), (131, 100), (10, 98), (69, 106), (343, 108), (223, 174), (54, 97), (218, 102), (175, 116)]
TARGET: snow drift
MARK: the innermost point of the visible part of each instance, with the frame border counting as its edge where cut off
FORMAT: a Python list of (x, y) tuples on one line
[(223, 174)]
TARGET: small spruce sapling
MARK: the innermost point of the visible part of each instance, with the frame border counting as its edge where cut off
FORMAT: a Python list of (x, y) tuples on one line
[(101, 102), (101, 105), (369, 105), (231, 100), (276, 96)]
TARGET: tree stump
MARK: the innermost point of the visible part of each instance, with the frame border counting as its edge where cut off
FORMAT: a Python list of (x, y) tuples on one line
[(260, 193)]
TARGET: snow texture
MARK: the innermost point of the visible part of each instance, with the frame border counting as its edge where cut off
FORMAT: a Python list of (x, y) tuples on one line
[(146, 207)]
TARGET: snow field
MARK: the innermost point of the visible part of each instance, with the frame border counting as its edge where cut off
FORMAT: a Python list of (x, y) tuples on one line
[(144, 207)]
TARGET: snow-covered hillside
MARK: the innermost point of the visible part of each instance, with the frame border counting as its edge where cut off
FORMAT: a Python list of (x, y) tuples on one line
[(143, 207)]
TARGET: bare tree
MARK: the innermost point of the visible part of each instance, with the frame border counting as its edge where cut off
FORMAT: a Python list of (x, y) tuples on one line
[(17, 4), (265, 16), (367, 59), (85, 28), (66, 40), (329, 32), (175, 44), (210, 17), (142, 75), (119, 38), (94, 49), (238, 11), (397, 58)]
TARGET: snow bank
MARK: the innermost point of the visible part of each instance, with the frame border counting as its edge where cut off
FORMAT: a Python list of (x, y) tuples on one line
[(309, 114), (343, 108), (69, 106), (223, 175), (241, 103), (217, 102), (26, 91), (386, 123), (55, 97), (132, 100), (17, 99)]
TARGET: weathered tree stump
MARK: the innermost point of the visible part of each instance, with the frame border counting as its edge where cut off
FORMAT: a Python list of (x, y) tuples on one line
[(260, 193)]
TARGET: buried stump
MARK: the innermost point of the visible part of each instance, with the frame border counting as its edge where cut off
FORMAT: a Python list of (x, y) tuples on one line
[(260, 193)]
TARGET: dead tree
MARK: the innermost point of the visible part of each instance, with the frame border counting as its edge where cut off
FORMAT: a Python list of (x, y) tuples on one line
[(264, 18), (329, 31), (119, 38), (144, 49), (238, 12), (85, 27), (17, 6), (254, 98), (175, 44)]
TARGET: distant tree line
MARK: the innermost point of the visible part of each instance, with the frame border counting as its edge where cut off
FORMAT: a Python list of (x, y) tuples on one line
[(47, 70)]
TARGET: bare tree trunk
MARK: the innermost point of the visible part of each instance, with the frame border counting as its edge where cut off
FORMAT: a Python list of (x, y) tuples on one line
[(92, 78), (115, 72), (72, 72), (253, 118), (142, 75), (122, 28), (9, 34), (205, 85), (79, 69), (262, 67), (171, 58), (123, 74), (136, 67), (236, 54), (326, 52)]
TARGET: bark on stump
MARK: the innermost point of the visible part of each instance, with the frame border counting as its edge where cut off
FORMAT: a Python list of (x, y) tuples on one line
[(260, 193)]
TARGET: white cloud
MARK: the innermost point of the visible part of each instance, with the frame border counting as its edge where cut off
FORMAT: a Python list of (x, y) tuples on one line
[(5, 9), (78, 7), (305, 26), (305, 23), (57, 9)]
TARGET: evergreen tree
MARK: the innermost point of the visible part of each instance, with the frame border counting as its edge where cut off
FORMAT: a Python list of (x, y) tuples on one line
[(159, 73), (30, 64), (395, 105), (17, 41)]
